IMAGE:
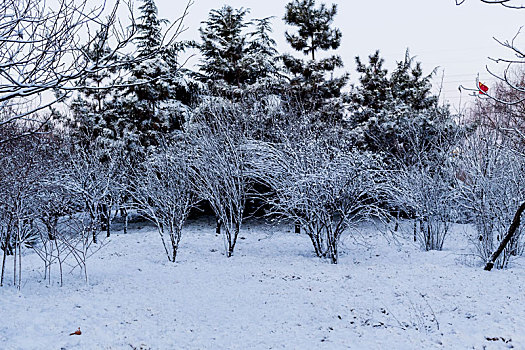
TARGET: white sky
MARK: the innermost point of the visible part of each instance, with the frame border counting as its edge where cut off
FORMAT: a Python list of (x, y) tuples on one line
[(458, 39)]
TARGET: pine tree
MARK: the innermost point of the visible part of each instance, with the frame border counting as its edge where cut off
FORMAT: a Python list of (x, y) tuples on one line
[(156, 102), (149, 28), (392, 112), (308, 79), (314, 31), (223, 45), (236, 52), (261, 52), (93, 112)]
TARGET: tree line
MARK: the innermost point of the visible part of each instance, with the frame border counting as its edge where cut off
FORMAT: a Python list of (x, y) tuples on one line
[(143, 134)]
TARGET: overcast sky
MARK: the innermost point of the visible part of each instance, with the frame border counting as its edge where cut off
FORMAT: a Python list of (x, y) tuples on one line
[(458, 39)]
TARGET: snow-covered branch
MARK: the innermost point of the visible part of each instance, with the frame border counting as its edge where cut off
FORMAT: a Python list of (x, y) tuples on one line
[(44, 49)]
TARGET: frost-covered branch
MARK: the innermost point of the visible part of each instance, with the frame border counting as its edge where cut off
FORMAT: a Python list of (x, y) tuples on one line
[(219, 165), (506, 3), (324, 190), (43, 49), (161, 191)]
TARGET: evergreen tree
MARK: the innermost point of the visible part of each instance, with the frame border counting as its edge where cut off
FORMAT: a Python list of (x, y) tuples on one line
[(314, 31), (223, 45), (236, 52), (308, 79), (93, 110), (149, 28), (396, 113), (156, 101), (261, 52)]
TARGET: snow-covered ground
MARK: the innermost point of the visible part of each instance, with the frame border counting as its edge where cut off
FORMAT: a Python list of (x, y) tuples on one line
[(273, 294)]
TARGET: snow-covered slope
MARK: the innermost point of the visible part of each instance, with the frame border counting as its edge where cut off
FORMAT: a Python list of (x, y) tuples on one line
[(273, 294)]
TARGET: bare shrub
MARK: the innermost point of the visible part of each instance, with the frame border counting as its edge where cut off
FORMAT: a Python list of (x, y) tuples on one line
[(492, 187), (161, 191), (325, 190), (219, 165)]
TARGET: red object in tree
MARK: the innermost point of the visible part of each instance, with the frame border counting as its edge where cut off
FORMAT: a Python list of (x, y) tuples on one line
[(483, 88)]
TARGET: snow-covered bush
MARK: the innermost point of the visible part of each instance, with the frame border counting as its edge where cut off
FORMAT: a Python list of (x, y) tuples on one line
[(492, 186), (161, 191), (21, 166), (218, 164), (324, 190), (422, 178), (93, 175), (426, 193)]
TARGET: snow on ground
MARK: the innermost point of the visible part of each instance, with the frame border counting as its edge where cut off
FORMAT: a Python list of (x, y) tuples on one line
[(273, 294)]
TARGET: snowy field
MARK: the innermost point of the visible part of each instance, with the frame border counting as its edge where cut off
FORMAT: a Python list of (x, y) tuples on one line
[(273, 294)]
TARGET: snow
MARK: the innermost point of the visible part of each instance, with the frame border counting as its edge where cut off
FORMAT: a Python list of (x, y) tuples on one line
[(272, 294)]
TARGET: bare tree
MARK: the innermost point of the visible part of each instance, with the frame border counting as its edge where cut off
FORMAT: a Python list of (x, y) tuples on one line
[(42, 51), (426, 193), (162, 192), (507, 119), (21, 167), (505, 3), (507, 99), (219, 165), (65, 229), (325, 190), (92, 176), (422, 183), (54, 206), (492, 188), (510, 64)]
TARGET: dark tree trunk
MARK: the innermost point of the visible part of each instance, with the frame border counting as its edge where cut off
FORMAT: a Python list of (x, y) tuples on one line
[(124, 213), (333, 250), (94, 234), (297, 227), (106, 218), (396, 226), (174, 256), (218, 227), (315, 243), (512, 230), (3, 268)]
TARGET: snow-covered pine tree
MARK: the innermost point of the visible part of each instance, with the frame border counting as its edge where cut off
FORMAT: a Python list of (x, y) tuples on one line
[(314, 27), (239, 65), (149, 28), (262, 54), (237, 53), (387, 108), (93, 112), (312, 81), (158, 94), (223, 46)]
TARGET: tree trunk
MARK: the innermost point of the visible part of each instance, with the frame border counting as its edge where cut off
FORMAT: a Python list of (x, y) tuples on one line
[(124, 212), (512, 230), (3, 266), (297, 227), (396, 226), (108, 223), (174, 256), (105, 211), (59, 266), (218, 227), (94, 234), (333, 248)]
